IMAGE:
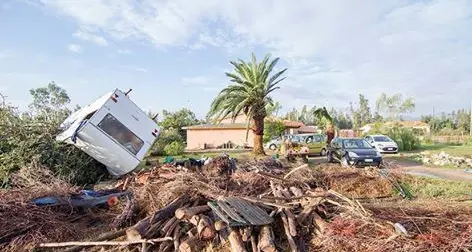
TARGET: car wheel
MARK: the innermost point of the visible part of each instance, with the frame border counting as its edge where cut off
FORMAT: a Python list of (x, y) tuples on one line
[(323, 152), (273, 147), (344, 162)]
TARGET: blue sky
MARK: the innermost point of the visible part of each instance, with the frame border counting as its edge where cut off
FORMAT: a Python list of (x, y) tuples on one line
[(174, 53)]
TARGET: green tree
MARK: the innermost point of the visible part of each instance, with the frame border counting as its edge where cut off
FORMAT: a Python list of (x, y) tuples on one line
[(324, 116), (30, 137), (361, 115), (253, 83), (394, 106), (273, 129), (50, 102), (178, 119)]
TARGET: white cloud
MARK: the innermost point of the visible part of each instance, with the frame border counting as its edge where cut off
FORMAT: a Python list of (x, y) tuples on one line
[(82, 35), (124, 51), (75, 48), (135, 68), (352, 47)]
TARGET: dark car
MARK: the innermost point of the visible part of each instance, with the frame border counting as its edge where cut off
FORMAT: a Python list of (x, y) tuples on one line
[(353, 151)]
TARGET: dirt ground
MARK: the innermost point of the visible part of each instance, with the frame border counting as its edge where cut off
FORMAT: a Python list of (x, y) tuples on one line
[(418, 169)]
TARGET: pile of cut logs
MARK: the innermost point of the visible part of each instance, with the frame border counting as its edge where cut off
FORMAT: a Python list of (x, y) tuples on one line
[(190, 223)]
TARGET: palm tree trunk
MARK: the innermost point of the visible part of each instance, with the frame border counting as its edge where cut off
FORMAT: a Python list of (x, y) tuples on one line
[(258, 130)]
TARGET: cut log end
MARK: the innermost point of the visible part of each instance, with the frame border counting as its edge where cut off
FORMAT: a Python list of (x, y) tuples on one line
[(205, 228), (266, 240), (193, 244), (237, 244)]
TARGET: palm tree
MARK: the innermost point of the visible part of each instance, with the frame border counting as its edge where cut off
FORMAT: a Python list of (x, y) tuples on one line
[(249, 93), (323, 116)]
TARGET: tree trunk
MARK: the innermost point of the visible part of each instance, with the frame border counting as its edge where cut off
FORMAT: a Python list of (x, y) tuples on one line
[(258, 130)]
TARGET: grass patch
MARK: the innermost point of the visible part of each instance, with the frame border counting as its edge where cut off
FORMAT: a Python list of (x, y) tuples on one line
[(423, 187), (451, 149)]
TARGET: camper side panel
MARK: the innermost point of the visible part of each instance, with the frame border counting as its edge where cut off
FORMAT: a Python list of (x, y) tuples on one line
[(136, 125), (104, 150)]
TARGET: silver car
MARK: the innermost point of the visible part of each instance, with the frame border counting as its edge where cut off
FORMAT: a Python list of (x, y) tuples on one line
[(277, 141)]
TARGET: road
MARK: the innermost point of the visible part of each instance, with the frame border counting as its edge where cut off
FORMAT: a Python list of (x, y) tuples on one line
[(418, 169)]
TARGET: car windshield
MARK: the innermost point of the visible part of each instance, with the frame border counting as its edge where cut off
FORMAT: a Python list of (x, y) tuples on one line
[(356, 144), (382, 139)]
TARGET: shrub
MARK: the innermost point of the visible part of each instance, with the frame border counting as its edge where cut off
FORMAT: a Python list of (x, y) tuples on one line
[(174, 149), (406, 138), (165, 138), (25, 138)]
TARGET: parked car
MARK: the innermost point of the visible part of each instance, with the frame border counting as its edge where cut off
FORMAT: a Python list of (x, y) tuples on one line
[(353, 151), (274, 143), (277, 141), (316, 143), (382, 143)]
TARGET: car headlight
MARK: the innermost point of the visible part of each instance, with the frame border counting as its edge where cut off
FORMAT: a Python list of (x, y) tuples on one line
[(352, 154)]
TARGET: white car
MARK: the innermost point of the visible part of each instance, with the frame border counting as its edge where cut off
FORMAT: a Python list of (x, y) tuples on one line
[(382, 143)]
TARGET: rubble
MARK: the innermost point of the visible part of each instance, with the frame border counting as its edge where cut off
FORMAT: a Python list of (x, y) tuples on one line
[(235, 209), (443, 159)]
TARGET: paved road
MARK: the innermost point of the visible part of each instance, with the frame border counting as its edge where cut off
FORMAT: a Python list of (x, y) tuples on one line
[(417, 169)]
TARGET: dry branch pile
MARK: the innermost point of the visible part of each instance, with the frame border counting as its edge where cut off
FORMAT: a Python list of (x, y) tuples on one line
[(308, 214)]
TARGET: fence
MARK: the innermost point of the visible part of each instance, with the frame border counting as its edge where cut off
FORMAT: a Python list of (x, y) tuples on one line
[(450, 139)]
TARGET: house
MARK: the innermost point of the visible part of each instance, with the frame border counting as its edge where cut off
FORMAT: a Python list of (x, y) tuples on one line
[(226, 134)]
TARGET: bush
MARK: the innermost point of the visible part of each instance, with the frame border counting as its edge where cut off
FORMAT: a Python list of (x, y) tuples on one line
[(25, 138), (174, 149), (165, 138), (404, 137)]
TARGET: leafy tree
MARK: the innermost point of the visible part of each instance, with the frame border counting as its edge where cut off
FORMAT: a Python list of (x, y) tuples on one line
[(253, 82), (395, 105), (28, 137), (50, 102), (177, 120), (361, 115), (323, 115), (273, 129)]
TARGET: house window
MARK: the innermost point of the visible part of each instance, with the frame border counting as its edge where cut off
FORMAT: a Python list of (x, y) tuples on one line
[(121, 134)]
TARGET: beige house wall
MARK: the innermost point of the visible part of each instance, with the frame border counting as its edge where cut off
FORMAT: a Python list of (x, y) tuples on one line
[(196, 139)]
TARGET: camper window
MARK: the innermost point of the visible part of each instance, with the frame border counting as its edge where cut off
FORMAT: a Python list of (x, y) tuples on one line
[(120, 133)]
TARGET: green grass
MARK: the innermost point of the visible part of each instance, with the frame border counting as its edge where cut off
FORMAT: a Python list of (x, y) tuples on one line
[(422, 187), (451, 149)]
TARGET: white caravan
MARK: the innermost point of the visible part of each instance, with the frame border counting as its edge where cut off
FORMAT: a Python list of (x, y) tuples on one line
[(113, 130)]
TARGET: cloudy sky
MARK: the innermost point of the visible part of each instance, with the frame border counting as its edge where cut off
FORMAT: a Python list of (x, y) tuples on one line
[(174, 53)]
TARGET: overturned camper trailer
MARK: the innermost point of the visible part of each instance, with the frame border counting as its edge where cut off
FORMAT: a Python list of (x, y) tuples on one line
[(113, 130)]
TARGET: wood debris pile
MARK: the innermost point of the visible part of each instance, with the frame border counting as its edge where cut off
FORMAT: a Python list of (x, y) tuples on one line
[(265, 208), (191, 214)]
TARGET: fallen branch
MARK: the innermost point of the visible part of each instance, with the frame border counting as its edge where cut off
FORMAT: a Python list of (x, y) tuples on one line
[(294, 170), (103, 243)]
